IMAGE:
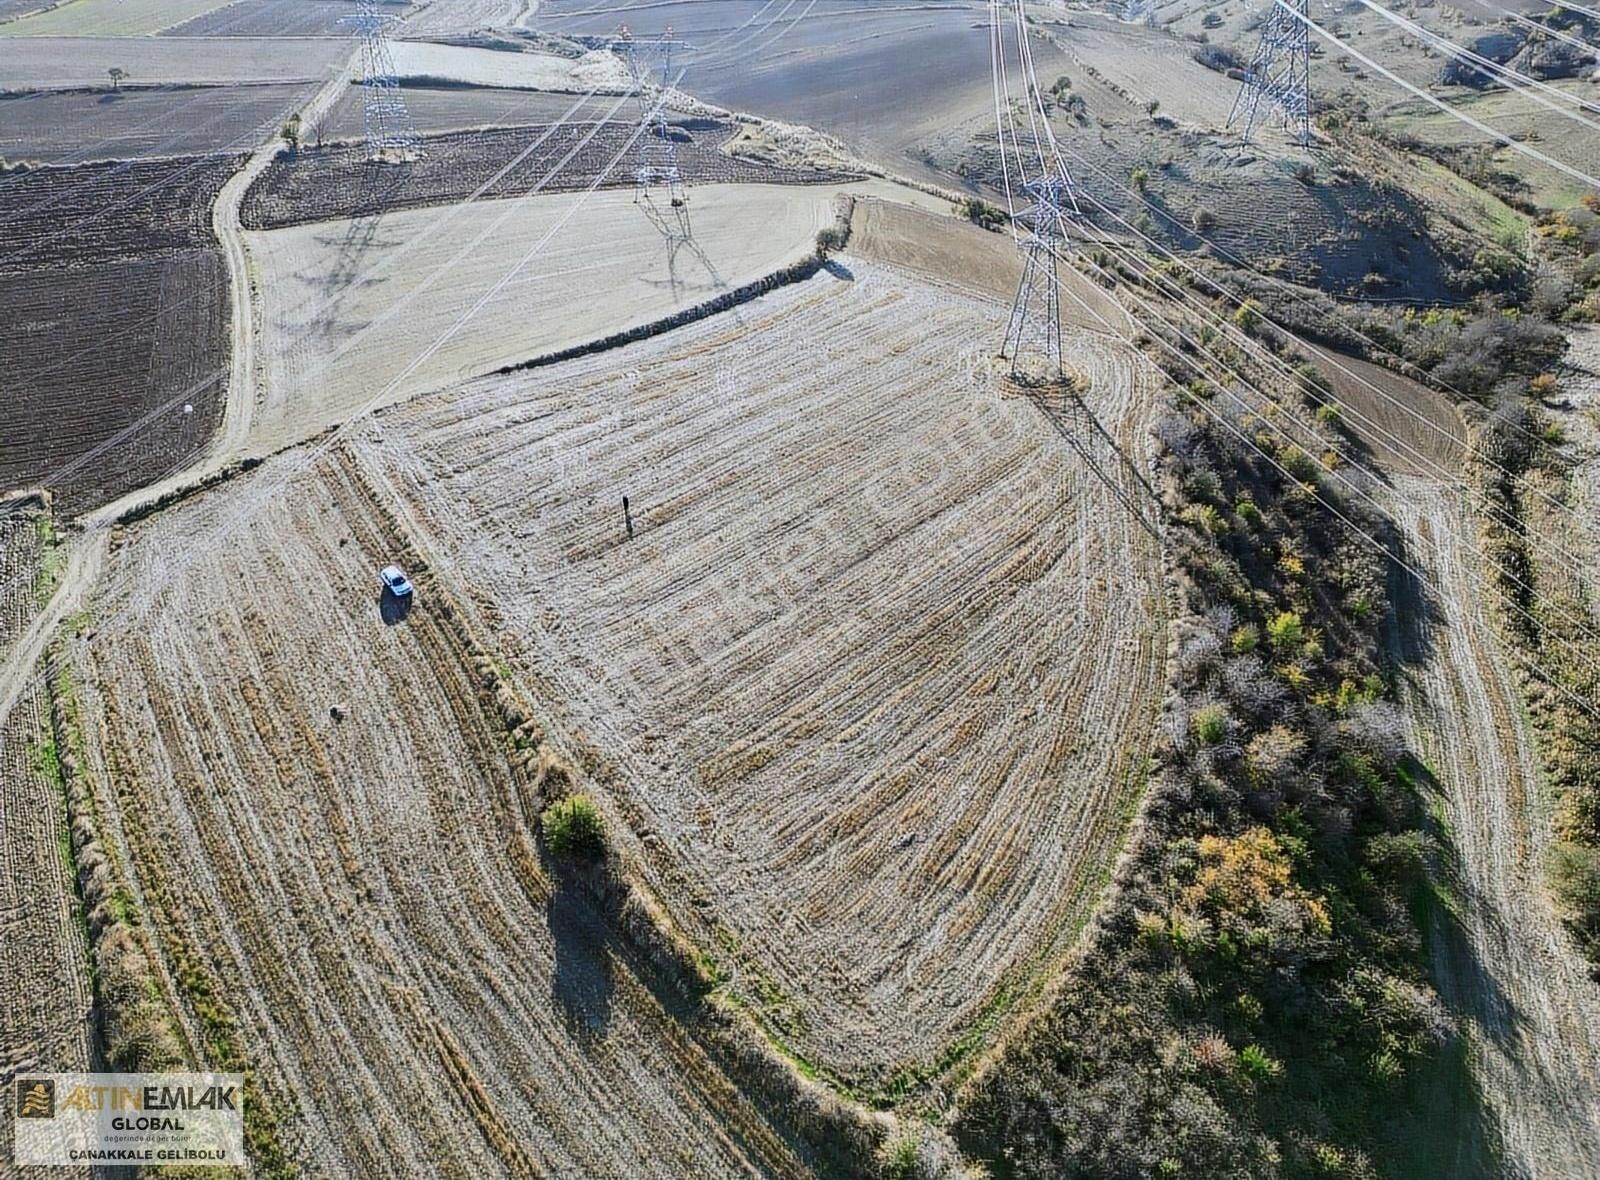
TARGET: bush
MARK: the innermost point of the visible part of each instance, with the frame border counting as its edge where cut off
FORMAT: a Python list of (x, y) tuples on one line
[(1575, 877), (1286, 632), (1211, 724), (829, 240), (1204, 221), (1139, 178), (573, 827), (980, 212)]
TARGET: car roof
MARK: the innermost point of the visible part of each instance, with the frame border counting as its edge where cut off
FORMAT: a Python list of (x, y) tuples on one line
[(391, 572)]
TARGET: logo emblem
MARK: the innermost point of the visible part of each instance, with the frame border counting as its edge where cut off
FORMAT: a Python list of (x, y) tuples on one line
[(36, 1098)]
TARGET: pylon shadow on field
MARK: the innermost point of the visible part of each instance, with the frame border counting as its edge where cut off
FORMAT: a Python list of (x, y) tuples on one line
[(1064, 409), (581, 982)]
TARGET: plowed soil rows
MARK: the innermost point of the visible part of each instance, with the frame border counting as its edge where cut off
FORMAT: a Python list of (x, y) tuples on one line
[(340, 181), (1533, 1015), (352, 310), (108, 211), (872, 680), (362, 886), (1408, 427), (114, 374), (44, 978), (464, 16), (75, 126)]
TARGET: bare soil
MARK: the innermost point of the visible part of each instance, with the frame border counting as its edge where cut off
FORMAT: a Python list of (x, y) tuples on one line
[(108, 211), (123, 368), (340, 181)]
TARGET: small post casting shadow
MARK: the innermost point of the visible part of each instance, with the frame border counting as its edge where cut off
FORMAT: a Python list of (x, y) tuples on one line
[(582, 982), (394, 610)]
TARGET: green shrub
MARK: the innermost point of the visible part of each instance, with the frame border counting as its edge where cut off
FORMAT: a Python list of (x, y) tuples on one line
[(1245, 638), (1575, 877), (1139, 178), (1256, 1064), (980, 212), (1210, 724), (573, 827), (1286, 632), (898, 1159)]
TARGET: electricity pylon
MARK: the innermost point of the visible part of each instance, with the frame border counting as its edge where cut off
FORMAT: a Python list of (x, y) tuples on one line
[(1280, 72), (656, 170), (389, 130), (1036, 308)]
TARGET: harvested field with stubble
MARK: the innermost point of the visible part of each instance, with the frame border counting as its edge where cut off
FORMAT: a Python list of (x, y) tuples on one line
[(1530, 1009), (44, 976), (340, 181), (109, 18), (325, 829), (873, 683), (275, 18), (77, 126), (50, 63), (374, 310)]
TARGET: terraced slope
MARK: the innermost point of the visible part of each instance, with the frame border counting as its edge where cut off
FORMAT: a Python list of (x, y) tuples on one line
[(872, 679)]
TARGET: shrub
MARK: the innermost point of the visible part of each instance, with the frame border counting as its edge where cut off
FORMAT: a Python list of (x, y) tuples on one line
[(1204, 221), (980, 212), (829, 239), (1286, 632), (1245, 638), (1139, 177), (1210, 724), (1575, 878), (1256, 1065), (573, 827)]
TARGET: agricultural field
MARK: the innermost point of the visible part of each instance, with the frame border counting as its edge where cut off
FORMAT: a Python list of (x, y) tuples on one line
[(878, 756), (437, 110), (596, 71), (350, 307), (82, 126), (1406, 427), (340, 180), (59, 63), (109, 18), (336, 841), (45, 1017), (113, 401), (272, 18), (435, 17), (892, 81), (108, 211), (1516, 979)]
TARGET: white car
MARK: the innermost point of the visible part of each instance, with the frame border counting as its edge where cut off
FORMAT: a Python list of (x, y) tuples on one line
[(395, 581)]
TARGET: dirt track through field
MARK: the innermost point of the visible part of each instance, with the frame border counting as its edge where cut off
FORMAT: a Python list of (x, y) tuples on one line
[(361, 885), (1533, 1014), (873, 681)]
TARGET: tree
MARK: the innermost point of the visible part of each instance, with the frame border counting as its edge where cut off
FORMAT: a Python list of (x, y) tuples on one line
[(117, 75), (291, 132)]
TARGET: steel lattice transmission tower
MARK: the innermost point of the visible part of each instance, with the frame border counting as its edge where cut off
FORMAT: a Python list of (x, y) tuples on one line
[(656, 167), (389, 130), (1279, 74), (1036, 308)]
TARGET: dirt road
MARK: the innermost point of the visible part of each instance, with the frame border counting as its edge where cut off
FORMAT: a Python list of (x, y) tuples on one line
[(1533, 1013)]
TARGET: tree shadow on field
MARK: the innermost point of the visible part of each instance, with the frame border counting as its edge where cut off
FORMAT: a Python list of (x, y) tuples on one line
[(581, 982)]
